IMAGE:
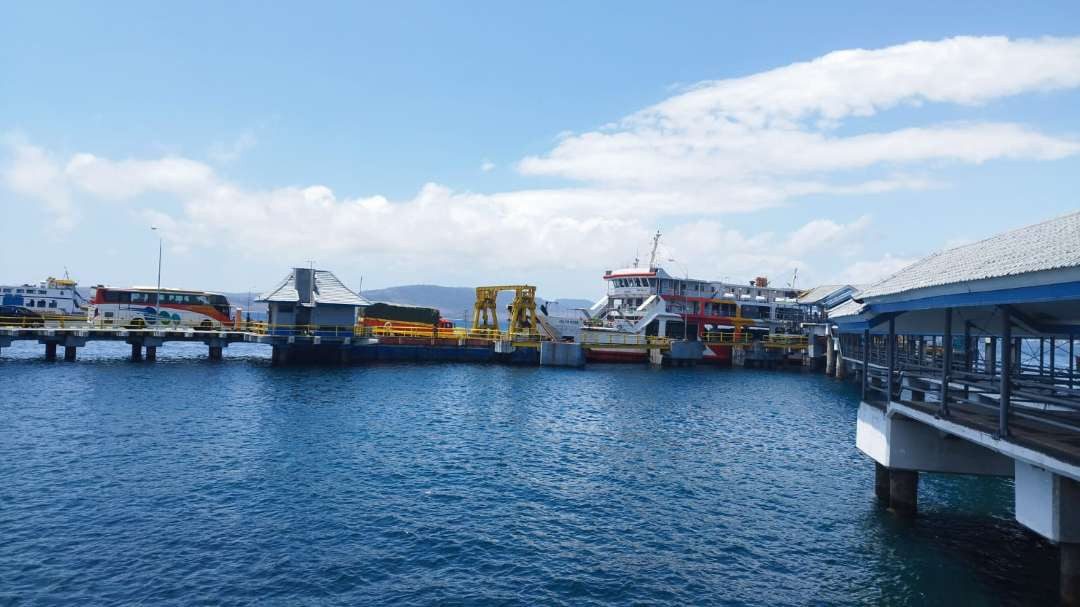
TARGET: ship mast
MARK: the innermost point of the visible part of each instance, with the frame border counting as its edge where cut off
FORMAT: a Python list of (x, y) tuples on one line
[(652, 256)]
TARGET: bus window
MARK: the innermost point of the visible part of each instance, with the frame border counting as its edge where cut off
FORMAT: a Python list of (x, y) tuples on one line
[(139, 298), (117, 297)]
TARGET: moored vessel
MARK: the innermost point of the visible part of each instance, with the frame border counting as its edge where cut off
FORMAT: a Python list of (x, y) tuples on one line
[(646, 302)]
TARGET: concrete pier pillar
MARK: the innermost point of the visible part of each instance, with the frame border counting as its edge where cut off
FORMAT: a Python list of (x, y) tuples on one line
[(841, 367), (904, 492), (136, 352), (881, 483), (151, 353), (215, 352), (69, 353), (1070, 573), (50, 351), (830, 356)]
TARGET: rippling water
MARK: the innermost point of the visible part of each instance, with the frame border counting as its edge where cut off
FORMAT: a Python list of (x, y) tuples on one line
[(235, 482)]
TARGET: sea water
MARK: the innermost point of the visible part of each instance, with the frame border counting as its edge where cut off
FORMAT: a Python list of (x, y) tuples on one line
[(192, 481)]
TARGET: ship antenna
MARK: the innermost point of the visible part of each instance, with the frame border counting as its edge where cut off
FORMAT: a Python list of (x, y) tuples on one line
[(652, 256)]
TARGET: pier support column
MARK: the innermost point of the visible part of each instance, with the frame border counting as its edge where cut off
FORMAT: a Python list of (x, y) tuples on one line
[(69, 353), (136, 352), (1070, 574), (151, 353), (830, 355), (215, 352), (881, 483), (904, 491), (50, 351), (841, 367)]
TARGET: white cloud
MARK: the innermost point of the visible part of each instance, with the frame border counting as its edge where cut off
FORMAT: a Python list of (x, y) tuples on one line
[(871, 271), (736, 145), (33, 173), (487, 166), (223, 152), (126, 179), (775, 129)]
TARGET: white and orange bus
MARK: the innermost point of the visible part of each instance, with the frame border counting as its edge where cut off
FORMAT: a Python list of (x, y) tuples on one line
[(137, 307)]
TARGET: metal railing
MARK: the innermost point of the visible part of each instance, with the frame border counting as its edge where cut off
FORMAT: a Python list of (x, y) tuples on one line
[(600, 340), (36, 321)]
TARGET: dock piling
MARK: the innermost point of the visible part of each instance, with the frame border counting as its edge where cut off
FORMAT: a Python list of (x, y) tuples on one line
[(50, 351), (904, 492), (1070, 573), (151, 353), (136, 352), (881, 483), (69, 353)]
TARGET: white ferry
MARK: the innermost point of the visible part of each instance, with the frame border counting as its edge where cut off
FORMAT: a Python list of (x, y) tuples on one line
[(648, 301), (50, 297)]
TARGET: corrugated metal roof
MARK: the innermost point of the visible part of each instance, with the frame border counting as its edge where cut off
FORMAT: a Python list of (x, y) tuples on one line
[(328, 290), (846, 309), (819, 293), (1050, 245)]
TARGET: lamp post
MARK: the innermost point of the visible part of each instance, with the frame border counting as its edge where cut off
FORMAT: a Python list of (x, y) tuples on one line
[(686, 279), (157, 297)]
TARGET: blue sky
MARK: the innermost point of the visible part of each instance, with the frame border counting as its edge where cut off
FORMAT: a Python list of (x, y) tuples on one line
[(487, 143)]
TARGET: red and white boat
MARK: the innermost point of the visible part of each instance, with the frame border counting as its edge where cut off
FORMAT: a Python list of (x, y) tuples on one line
[(643, 302)]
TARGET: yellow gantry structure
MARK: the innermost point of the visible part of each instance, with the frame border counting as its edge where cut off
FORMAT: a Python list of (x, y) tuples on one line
[(522, 310)]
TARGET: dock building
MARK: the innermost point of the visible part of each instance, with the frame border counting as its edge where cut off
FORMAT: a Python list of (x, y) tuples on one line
[(307, 300), (967, 365)]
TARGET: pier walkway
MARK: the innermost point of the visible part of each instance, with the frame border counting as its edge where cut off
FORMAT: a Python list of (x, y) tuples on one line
[(967, 362)]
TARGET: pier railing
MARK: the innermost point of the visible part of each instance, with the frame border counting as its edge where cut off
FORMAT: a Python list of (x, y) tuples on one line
[(963, 377)]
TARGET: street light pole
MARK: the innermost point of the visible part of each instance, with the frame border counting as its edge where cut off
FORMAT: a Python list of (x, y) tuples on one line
[(686, 281), (157, 298)]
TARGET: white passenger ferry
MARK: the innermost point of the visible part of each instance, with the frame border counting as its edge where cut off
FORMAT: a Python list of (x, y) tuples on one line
[(648, 301), (50, 297)]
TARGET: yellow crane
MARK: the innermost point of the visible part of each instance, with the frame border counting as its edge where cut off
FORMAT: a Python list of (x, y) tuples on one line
[(522, 310)]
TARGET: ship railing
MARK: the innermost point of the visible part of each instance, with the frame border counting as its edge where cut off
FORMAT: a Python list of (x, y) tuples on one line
[(727, 339), (623, 339), (785, 341)]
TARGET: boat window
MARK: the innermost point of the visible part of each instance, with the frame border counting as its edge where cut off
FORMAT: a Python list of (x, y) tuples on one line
[(41, 303), (52, 304), (18, 290), (7, 290)]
